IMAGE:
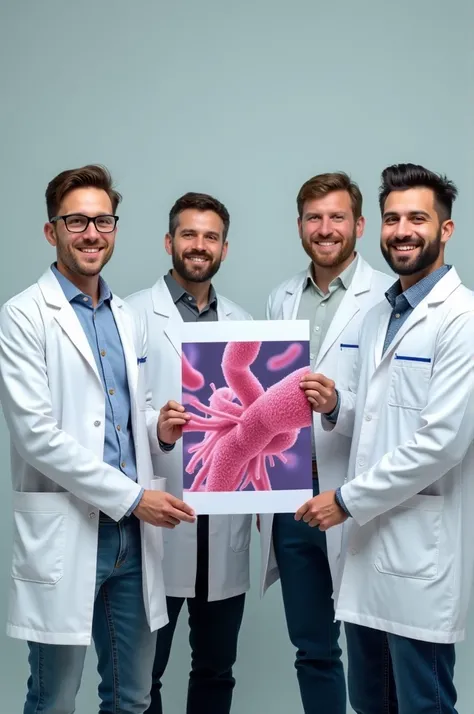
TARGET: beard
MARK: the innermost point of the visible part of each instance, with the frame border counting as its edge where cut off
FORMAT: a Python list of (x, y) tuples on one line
[(66, 256), (347, 248), (405, 264), (198, 273)]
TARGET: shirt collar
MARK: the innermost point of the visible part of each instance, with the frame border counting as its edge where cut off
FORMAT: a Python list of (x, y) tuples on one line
[(417, 292), (71, 291), (177, 291), (344, 279)]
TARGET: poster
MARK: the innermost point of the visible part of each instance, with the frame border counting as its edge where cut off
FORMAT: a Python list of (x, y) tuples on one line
[(247, 447)]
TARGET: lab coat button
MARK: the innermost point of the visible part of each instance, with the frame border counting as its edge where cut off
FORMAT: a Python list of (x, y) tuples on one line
[(361, 462), (354, 551), (97, 422), (368, 417), (92, 514)]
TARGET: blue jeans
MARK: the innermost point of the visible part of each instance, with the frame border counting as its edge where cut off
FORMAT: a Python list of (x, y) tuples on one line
[(122, 638), (309, 608), (214, 630), (389, 674)]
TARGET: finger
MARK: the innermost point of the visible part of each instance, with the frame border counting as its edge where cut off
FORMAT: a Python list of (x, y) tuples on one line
[(174, 406), (313, 388), (172, 521), (313, 523), (301, 511), (182, 511), (174, 421), (165, 524)]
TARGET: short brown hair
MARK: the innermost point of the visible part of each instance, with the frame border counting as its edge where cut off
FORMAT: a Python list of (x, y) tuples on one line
[(200, 202), (90, 176), (323, 184)]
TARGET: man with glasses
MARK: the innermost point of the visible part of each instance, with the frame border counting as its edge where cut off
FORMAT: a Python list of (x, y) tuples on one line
[(86, 549)]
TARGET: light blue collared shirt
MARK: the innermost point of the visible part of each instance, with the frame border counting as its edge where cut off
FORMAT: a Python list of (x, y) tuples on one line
[(104, 339)]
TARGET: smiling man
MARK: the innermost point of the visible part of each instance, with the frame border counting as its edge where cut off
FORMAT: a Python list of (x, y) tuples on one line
[(86, 550), (207, 565), (334, 294), (409, 497)]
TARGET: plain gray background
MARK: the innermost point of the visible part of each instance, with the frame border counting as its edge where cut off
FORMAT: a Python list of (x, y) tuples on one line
[(246, 101)]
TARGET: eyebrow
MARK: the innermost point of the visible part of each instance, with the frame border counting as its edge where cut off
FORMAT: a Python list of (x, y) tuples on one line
[(396, 214), (331, 213), (195, 232)]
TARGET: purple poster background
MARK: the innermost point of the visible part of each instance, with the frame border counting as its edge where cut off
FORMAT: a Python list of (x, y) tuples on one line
[(206, 357)]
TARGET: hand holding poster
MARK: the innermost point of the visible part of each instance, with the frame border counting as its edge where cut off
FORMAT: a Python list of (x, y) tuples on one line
[(247, 447)]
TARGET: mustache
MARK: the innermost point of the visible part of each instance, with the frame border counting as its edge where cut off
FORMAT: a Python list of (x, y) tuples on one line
[(196, 254), (403, 241)]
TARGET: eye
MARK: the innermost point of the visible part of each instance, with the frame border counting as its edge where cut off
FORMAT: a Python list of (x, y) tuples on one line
[(338, 217), (390, 220)]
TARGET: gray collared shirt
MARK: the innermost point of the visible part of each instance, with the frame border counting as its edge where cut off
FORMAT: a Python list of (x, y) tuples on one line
[(186, 303)]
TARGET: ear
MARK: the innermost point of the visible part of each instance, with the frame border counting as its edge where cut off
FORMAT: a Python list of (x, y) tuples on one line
[(360, 226), (447, 230), (224, 250), (50, 233), (300, 228), (168, 243)]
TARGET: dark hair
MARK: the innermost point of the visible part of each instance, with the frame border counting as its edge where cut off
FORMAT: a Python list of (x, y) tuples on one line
[(200, 202), (91, 176), (323, 184), (401, 177)]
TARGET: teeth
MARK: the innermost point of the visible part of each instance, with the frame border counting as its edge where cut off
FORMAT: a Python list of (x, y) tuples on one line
[(406, 247), (198, 260), (326, 242), (89, 250)]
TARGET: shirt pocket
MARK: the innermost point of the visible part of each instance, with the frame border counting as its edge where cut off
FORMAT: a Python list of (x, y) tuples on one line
[(39, 536), (408, 538), (409, 382)]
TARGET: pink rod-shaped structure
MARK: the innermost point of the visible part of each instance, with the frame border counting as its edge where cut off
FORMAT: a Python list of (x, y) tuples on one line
[(240, 437), (284, 359), (191, 377)]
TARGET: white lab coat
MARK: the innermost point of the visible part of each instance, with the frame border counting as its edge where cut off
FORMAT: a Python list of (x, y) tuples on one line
[(229, 536), (54, 405), (336, 360), (410, 544)]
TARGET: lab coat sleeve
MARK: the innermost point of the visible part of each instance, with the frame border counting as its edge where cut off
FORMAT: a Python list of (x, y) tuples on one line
[(439, 444), (28, 410)]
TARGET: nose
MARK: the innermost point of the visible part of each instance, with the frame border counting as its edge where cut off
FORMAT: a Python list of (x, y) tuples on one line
[(325, 228), (404, 229), (91, 233), (199, 242)]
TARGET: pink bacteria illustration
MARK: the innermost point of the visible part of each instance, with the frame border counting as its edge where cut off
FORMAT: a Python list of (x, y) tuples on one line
[(246, 428), (289, 356), (192, 378)]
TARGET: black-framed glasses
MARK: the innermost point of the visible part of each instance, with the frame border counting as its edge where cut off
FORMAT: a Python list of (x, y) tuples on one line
[(78, 223)]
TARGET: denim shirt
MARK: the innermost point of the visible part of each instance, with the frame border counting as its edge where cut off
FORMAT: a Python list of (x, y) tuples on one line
[(104, 339)]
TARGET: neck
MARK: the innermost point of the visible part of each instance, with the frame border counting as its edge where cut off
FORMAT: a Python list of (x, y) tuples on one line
[(87, 284), (323, 276), (199, 291), (407, 281)]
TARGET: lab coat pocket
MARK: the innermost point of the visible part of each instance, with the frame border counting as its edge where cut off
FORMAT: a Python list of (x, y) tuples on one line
[(409, 383), (240, 527), (347, 361), (409, 537), (39, 536)]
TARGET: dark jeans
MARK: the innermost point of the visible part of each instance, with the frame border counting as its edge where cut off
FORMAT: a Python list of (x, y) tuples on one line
[(213, 634), (389, 674), (309, 608)]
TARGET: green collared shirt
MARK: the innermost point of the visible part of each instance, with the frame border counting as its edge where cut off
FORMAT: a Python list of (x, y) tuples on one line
[(320, 308)]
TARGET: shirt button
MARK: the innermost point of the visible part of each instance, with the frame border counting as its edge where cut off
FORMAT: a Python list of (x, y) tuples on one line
[(123, 464), (397, 315), (190, 298), (97, 423), (86, 299), (316, 329), (118, 427), (111, 392), (103, 353)]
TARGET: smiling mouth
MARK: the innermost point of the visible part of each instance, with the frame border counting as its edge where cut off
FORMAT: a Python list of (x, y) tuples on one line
[(325, 243), (405, 247), (197, 259), (90, 251)]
